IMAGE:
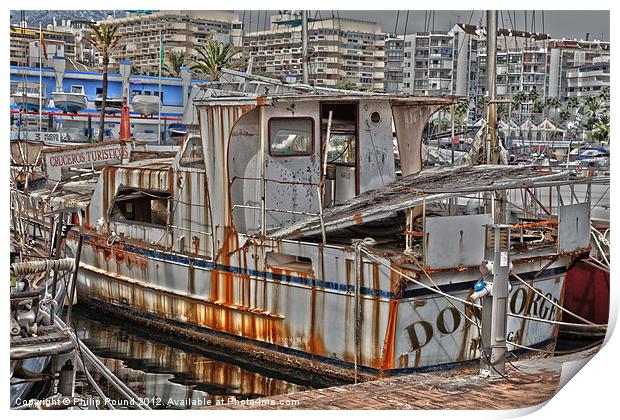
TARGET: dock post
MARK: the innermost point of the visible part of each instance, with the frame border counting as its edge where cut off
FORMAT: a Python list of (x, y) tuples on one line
[(495, 307)]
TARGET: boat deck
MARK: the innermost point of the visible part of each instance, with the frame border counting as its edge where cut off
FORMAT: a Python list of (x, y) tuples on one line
[(532, 382)]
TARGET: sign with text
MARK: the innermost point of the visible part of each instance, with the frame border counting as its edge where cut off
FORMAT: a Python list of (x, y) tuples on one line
[(52, 136), (90, 155)]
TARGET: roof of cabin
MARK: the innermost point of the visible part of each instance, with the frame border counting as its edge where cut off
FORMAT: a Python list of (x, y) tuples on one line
[(431, 184)]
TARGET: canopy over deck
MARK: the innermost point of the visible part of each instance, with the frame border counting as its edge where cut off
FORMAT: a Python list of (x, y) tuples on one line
[(431, 184)]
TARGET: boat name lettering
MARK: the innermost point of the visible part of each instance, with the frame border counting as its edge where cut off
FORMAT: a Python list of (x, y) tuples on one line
[(87, 156), (449, 319)]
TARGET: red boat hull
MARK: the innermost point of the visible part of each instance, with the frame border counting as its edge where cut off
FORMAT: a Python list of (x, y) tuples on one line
[(587, 294)]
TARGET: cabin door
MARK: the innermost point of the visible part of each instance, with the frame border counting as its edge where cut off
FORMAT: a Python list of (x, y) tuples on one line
[(342, 180)]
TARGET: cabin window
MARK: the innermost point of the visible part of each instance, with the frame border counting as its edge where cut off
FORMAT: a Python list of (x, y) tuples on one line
[(289, 262), (77, 89), (193, 156), (142, 206), (341, 148), (291, 136)]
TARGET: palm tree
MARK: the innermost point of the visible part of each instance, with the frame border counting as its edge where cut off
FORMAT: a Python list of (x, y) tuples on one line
[(518, 99), (600, 131), (592, 103), (105, 39), (573, 102), (605, 95), (175, 60), (461, 113), (213, 57), (564, 115), (553, 104)]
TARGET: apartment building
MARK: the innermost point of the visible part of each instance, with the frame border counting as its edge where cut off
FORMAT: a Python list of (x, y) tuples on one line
[(394, 58), (587, 80), (441, 63), (24, 45), (181, 30), (567, 56), (341, 50)]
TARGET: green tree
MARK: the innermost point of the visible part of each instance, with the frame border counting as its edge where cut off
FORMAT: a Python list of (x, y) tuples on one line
[(461, 114), (600, 131), (533, 95), (105, 39), (212, 57), (573, 103), (346, 85), (518, 99), (553, 104), (564, 115), (175, 59), (605, 94), (538, 106)]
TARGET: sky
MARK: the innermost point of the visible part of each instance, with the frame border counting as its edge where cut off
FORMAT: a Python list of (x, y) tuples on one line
[(557, 23)]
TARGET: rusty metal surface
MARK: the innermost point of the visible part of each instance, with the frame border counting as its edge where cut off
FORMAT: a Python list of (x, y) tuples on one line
[(431, 184)]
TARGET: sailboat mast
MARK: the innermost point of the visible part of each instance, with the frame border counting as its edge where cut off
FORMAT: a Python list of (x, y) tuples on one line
[(492, 152), (304, 45), (40, 79)]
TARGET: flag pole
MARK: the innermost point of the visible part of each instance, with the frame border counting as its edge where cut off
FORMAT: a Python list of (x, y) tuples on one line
[(161, 58), (40, 79)]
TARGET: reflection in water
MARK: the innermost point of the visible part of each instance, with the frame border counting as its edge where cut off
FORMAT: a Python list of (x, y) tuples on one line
[(174, 372)]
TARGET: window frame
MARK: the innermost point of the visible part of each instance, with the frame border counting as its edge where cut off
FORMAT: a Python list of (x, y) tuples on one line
[(306, 154)]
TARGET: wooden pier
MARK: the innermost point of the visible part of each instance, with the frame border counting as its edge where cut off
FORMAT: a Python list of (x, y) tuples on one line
[(530, 382)]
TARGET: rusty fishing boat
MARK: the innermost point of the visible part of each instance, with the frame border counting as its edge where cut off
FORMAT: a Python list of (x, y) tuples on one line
[(282, 232)]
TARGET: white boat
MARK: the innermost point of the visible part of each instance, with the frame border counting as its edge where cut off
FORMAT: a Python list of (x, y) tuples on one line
[(26, 95), (112, 105), (146, 105), (73, 101)]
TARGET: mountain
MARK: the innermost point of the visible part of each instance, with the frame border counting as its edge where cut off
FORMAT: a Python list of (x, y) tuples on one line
[(45, 17)]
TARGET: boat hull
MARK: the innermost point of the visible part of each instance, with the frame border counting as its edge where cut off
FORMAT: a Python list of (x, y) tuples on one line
[(145, 105), (68, 102), (28, 102), (292, 319)]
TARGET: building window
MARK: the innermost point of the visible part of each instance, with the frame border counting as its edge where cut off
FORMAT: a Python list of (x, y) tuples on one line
[(291, 136)]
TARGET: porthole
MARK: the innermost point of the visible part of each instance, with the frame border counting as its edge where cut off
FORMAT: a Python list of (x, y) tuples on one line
[(375, 118)]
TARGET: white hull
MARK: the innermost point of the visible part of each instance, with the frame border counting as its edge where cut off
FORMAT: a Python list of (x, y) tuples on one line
[(72, 102), (30, 99), (145, 104)]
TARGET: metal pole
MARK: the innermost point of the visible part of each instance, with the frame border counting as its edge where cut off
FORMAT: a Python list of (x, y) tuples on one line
[(304, 46), (496, 361), (452, 132), (40, 80), (490, 82), (357, 272), (161, 46), (263, 198)]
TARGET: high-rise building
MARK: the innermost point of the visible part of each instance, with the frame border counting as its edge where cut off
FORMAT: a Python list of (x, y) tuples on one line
[(181, 30), (441, 63), (341, 50), (394, 57), (565, 59), (25, 47)]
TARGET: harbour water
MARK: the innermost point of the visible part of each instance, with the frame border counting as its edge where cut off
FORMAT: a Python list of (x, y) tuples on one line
[(180, 375)]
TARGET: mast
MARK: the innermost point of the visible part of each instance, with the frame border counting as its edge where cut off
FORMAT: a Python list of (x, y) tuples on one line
[(304, 45), (161, 60), (492, 153), (40, 79)]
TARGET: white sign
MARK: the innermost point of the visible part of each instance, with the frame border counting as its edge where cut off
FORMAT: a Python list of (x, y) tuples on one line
[(503, 259), (84, 156), (52, 136)]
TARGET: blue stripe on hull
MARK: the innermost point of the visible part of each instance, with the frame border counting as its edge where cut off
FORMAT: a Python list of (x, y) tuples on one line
[(304, 281)]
